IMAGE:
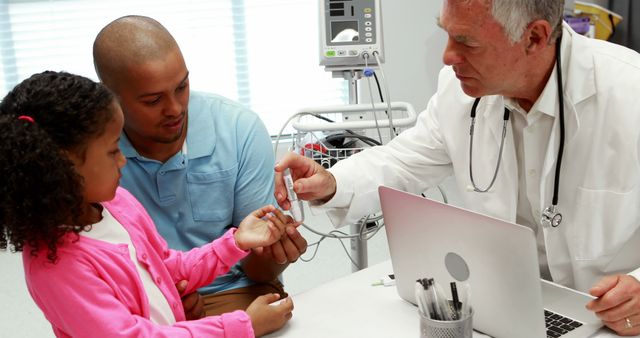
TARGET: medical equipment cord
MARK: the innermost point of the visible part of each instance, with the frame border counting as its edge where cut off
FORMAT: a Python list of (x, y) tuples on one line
[(365, 232), (373, 111), (375, 76)]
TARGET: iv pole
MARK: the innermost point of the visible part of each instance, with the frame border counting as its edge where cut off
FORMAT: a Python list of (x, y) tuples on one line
[(342, 55), (359, 252)]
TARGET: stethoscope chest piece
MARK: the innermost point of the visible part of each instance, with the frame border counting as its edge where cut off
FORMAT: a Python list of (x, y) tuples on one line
[(551, 217)]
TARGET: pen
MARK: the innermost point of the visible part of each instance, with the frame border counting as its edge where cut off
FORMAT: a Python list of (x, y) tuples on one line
[(436, 300), (420, 300), (466, 302), (443, 303), (428, 299), (456, 301)]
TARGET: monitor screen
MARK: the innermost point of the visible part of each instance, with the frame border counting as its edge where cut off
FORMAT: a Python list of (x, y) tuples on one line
[(344, 31)]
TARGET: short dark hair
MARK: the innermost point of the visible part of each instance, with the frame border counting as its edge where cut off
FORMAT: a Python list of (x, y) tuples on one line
[(41, 194)]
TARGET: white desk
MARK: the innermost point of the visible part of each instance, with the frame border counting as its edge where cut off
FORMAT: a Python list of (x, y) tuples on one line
[(351, 307)]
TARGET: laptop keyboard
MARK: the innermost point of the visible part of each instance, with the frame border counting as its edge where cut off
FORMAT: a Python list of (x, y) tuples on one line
[(558, 325)]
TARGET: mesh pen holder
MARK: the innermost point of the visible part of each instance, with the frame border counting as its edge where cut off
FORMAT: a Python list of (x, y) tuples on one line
[(461, 328)]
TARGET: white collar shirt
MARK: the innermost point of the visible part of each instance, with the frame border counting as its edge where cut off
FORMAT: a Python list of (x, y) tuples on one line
[(531, 133)]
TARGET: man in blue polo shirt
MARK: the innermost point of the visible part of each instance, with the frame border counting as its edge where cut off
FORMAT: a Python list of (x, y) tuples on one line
[(199, 163)]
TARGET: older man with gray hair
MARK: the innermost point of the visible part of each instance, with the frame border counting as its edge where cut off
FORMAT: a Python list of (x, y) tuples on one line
[(556, 131)]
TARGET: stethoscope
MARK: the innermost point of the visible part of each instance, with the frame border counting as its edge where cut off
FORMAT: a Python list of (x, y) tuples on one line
[(551, 217)]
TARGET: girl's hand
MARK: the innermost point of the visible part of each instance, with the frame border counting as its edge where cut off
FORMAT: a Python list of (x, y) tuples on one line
[(262, 227), (267, 316)]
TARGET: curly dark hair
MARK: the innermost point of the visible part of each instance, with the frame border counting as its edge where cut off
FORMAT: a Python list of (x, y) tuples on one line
[(41, 194)]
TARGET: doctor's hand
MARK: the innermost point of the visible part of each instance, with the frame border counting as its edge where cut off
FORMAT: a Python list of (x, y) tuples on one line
[(290, 247), (618, 303), (311, 180)]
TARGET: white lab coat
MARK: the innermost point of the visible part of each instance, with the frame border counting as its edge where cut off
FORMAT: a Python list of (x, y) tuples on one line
[(599, 193)]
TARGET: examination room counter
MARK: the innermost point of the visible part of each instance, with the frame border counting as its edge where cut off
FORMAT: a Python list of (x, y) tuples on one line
[(346, 307), (352, 307)]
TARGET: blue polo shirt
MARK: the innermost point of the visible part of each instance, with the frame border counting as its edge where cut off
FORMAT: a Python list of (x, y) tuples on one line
[(226, 174)]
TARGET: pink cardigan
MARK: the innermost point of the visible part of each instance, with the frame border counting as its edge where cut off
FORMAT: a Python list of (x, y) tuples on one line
[(93, 290)]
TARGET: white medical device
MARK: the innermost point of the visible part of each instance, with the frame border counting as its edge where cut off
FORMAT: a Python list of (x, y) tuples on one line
[(350, 31), (296, 205)]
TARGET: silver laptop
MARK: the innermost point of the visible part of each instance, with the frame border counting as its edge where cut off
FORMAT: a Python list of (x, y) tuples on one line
[(507, 295)]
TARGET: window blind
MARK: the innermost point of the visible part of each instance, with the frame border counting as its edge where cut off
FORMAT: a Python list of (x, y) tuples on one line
[(262, 53)]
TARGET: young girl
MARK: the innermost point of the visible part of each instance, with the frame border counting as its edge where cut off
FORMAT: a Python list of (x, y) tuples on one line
[(93, 261)]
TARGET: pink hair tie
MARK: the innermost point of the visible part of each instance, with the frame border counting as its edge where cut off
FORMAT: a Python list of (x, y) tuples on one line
[(26, 118)]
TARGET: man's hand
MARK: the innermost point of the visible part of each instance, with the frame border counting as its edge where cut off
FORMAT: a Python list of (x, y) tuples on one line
[(618, 303), (290, 247), (264, 264), (192, 303)]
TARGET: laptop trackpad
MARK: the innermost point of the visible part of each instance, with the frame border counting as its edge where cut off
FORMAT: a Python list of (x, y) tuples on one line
[(567, 302)]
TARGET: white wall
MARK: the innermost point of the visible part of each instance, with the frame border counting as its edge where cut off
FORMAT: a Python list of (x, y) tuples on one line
[(19, 315), (413, 50)]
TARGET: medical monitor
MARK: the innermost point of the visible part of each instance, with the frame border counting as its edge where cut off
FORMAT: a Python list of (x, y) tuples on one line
[(349, 30)]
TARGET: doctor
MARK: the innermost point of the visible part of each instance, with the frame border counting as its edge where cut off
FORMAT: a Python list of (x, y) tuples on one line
[(509, 54)]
